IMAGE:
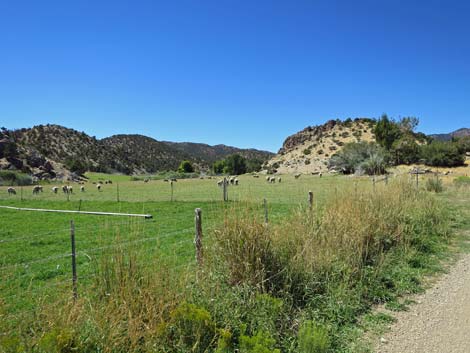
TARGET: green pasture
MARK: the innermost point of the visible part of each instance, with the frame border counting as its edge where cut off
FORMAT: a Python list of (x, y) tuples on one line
[(35, 246)]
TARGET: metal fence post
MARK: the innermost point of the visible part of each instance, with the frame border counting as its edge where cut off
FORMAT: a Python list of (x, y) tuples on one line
[(310, 200)]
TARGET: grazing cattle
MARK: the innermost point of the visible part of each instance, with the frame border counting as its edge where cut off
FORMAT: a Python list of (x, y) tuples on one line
[(279, 179), (37, 189), (70, 189), (297, 176), (165, 180), (82, 188), (146, 180), (98, 186), (110, 181), (268, 179), (320, 174), (173, 179), (255, 176), (55, 189), (11, 191), (236, 181), (65, 189), (220, 183)]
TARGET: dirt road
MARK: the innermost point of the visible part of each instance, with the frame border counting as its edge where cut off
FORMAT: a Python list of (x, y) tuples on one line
[(439, 322)]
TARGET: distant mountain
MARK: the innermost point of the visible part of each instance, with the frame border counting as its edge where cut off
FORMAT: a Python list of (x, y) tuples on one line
[(49, 151), (207, 154), (463, 132)]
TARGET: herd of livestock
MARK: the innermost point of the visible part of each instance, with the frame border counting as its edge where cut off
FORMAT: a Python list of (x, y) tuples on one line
[(68, 189)]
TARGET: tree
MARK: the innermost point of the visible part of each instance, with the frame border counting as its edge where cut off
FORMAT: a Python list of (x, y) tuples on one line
[(405, 150), (235, 164), (76, 165), (386, 132), (408, 124), (186, 167), (218, 167)]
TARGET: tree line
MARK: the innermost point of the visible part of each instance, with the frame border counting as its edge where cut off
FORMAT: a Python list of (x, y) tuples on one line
[(398, 143)]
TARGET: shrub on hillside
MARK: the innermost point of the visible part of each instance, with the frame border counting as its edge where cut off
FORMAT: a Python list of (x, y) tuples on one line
[(442, 154), (361, 157)]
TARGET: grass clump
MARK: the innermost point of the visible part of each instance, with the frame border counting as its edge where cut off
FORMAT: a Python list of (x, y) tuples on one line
[(434, 184)]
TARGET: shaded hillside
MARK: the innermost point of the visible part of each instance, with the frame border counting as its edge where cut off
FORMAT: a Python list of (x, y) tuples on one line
[(48, 151), (463, 132), (309, 150), (142, 154), (207, 154)]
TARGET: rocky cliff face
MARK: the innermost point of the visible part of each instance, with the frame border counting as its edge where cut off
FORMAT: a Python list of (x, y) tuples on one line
[(309, 150)]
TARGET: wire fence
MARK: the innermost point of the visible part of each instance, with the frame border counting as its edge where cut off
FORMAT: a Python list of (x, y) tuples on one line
[(42, 263)]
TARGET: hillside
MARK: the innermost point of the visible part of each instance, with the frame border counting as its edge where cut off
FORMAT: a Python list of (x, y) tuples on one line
[(309, 150), (207, 154), (49, 151), (463, 132)]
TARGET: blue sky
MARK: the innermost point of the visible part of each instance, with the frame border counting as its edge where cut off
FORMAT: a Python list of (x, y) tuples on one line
[(238, 72)]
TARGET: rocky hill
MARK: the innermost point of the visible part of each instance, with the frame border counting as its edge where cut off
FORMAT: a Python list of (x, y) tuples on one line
[(309, 150), (49, 151), (464, 132)]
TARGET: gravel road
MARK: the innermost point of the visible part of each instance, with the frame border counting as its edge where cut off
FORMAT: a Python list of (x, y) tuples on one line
[(439, 322)]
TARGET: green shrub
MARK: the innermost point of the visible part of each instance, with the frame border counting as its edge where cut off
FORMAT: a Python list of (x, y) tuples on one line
[(307, 151), (8, 177), (191, 329), (313, 338), (434, 184), (262, 342), (442, 154)]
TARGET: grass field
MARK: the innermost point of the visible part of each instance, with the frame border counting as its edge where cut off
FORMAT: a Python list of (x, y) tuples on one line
[(35, 246), (35, 262)]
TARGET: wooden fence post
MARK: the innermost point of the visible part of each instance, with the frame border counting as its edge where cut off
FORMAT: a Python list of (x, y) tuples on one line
[(198, 236), (171, 186), (310, 200), (417, 180), (117, 191), (386, 179), (265, 203), (225, 189), (80, 205), (21, 192), (373, 181), (74, 262)]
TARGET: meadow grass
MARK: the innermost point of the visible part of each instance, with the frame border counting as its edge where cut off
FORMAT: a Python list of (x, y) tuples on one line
[(263, 288)]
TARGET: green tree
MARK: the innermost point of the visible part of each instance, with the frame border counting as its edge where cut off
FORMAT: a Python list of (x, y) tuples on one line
[(405, 150), (218, 167), (186, 167), (386, 132), (76, 165), (235, 164)]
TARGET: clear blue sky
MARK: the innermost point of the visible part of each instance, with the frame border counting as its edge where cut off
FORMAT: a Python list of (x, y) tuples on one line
[(241, 72)]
